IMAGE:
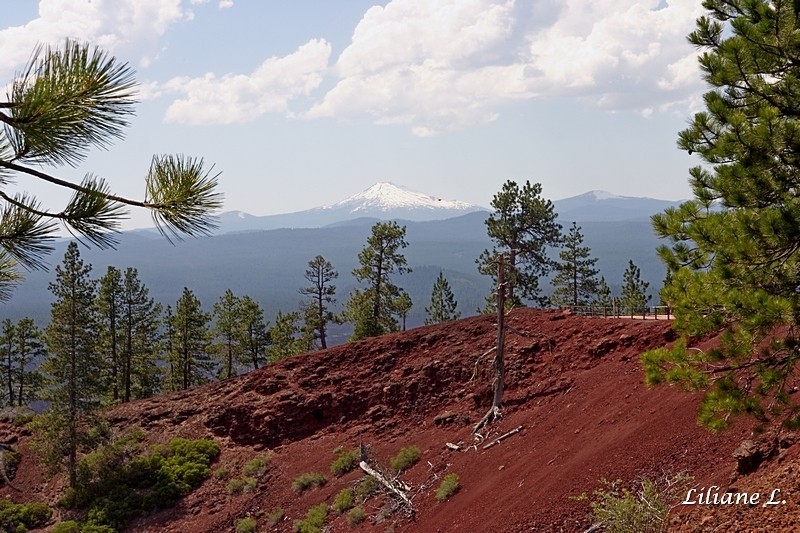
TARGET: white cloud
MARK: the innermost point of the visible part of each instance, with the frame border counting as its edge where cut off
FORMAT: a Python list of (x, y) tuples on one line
[(444, 65), (234, 98), (225, 4), (121, 25)]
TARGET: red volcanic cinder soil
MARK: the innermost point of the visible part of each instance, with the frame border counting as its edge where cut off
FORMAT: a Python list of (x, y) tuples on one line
[(574, 385)]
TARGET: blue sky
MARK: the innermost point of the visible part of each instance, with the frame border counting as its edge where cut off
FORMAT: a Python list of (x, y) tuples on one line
[(302, 103)]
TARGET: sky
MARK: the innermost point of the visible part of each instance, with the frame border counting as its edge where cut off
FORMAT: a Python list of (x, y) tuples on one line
[(303, 103)]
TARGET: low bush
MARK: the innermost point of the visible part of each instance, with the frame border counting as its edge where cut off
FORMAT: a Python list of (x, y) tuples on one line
[(343, 501), (256, 466), (275, 516), (221, 472), (405, 459), (356, 516), (246, 525), (308, 480), (234, 486), (642, 509), (367, 487), (19, 517), (119, 482), (346, 460), (448, 487), (68, 526), (314, 520)]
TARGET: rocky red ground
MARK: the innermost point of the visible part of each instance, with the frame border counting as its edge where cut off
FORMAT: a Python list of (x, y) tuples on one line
[(574, 385)]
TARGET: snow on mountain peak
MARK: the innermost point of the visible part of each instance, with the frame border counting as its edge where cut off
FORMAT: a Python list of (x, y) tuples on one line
[(604, 195), (385, 196)]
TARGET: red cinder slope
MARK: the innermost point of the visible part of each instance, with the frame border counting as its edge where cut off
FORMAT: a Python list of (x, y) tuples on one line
[(574, 384)]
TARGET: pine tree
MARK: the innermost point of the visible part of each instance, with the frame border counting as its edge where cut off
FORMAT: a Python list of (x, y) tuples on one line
[(72, 367), (603, 301), (522, 227), (734, 258), (64, 102), (575, 281), (253, 335), (141, 341), (284, 337), (401, 307), (190, 362), (20, 345), (634, 291), (109, 310), (226, 331), (8, 355), (371, 309), (320, 274), (443, 303), (29, 349)]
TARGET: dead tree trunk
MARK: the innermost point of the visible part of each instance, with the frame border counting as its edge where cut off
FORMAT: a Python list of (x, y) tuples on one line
[(499, 362)]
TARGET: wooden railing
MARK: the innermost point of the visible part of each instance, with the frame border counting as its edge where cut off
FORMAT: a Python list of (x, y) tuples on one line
[(661, 312)]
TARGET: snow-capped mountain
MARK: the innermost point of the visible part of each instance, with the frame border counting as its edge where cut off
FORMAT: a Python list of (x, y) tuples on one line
[(384, 200), (387, 197)]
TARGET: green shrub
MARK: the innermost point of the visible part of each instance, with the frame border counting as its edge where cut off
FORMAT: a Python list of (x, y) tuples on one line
[(345, 461), (308, 480), (448, 487), (367, 487), (120, 481), (642, 510), (250, 484), (221, 472), (405, 459), (19, 517), (256, 466), (68, 526), (356, 516), (343, 501), (314, 520), (246, 525), (275, 516), (235, 486)]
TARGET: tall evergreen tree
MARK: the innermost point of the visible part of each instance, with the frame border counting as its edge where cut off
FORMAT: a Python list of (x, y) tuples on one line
[(285, 338), (29, 349), (634, 291), (734, 257), (603, 300), (401, 307), (20, 345), (190, 362), (109, 311), (522, 226), (141, 315), (8, 348), (371, 309), (72, 366), (575, 282), (320, 274), (443, 303), (253, 335), (226, 331)]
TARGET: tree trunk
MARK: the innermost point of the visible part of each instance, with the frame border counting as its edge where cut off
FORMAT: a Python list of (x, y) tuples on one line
[(499, 362)]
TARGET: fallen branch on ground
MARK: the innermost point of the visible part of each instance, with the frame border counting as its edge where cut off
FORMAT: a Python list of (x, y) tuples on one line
[(386, 483), (503, 436)]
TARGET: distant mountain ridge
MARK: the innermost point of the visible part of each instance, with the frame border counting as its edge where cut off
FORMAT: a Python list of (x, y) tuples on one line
[(603, 206), (383, 201), (269, 264), (387, 201)]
